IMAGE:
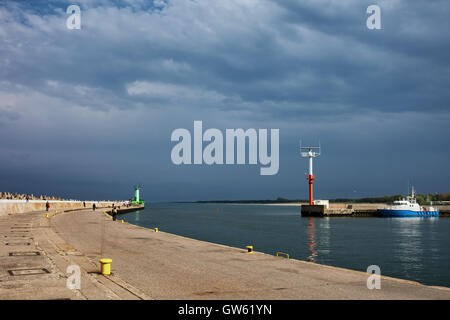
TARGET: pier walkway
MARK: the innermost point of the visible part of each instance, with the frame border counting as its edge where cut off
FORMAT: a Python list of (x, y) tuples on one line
[(158, 265)]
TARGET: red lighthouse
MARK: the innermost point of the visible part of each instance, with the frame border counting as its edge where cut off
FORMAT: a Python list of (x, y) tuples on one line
[(310, 154)]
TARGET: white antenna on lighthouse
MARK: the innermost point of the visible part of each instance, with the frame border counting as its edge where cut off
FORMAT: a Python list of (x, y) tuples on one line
[(310, 153)]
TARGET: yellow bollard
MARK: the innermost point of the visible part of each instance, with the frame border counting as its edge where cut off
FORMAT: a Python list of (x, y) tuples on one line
[(156, 229), (249, 249), (282, 254), (46, 215), (106, 266)]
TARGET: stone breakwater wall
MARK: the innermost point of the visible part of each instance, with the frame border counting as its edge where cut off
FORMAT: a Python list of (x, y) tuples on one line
[(21, 206), (357, 206), (23, 196)]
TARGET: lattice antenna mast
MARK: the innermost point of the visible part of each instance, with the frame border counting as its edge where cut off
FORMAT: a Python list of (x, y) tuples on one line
[(310, 153)]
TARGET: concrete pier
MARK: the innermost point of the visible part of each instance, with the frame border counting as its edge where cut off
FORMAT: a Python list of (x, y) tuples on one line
[(353, 210), (159, 265), (125, 210), (341, 210), (21, 206)]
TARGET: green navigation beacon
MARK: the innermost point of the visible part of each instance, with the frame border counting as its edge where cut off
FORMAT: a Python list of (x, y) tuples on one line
[(137, 199)]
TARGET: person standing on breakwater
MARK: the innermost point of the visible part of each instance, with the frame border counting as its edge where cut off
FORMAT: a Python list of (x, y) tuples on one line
[(47, 206), (93, 206), (114, 213)]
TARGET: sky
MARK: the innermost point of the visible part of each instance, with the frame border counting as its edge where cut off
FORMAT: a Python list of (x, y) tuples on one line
[(88, 113)]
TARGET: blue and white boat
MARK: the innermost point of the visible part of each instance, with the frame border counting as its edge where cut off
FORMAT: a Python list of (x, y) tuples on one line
[(408, 207)]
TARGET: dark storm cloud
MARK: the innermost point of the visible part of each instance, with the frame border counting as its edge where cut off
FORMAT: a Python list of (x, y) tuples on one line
[(138, 69), (312, 52)]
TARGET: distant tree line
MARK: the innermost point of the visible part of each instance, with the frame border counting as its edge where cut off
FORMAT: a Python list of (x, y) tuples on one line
[(421, 199), (384, 199), (436, 197)]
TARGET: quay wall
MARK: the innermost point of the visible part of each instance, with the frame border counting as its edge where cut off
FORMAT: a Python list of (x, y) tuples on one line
[(21, 206), (124, 210), (355, 210)]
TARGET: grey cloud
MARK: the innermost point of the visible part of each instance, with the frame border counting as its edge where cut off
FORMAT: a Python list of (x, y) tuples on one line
[(138, 69), (317, 54)]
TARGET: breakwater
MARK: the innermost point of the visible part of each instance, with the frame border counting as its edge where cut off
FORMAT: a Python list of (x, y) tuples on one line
[(124, 210), (353, 210), (21, 206), (341, 210), (168, 266)]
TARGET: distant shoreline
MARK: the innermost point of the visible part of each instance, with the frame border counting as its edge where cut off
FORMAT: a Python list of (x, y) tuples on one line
[(296, 204)]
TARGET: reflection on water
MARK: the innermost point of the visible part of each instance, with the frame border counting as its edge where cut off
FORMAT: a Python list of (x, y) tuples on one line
[(323, 239), (409, 236), (409, 249), (136, 216), (311, 242)]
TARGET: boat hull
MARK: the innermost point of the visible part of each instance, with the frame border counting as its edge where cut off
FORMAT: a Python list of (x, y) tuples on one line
[(407, 213)]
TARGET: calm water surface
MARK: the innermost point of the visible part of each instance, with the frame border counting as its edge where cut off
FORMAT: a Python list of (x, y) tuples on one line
[(410, 248)]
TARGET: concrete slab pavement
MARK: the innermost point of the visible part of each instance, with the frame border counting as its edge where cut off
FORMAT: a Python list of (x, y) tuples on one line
[(167, 266), (34, 261)]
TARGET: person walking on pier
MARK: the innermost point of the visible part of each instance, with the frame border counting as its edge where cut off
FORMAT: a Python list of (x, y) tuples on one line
[(114, 213), (47, 206), (93, 206)]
